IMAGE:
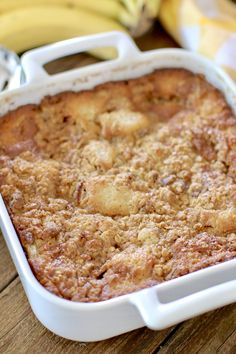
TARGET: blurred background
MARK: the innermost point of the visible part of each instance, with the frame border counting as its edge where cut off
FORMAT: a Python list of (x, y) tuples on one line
[(204, 26)]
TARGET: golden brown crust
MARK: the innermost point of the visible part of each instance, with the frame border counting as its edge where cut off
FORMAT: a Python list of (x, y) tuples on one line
[(124, 186), (17, 131)]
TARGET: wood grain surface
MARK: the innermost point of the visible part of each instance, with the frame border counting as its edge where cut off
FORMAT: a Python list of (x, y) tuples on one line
[(21, 333)]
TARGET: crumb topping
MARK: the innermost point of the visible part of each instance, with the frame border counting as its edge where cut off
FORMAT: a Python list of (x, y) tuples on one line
[(124, 186)]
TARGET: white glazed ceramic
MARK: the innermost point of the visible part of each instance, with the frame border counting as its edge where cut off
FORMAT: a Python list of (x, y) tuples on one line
[(156, 307)]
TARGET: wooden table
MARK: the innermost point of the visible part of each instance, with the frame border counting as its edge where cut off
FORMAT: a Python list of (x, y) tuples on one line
[(20, 331)]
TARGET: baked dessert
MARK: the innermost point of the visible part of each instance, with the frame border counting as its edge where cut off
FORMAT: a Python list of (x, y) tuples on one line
[(124, 186)]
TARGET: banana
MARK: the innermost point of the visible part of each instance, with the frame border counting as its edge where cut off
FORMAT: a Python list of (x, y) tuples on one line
[(30, 27), (136, 15), (144, 11), (108, 8)]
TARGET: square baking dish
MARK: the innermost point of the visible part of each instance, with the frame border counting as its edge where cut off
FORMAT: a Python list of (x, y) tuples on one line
[(156, 307)]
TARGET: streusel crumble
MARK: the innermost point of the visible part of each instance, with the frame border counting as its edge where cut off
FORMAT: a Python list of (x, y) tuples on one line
[(124, 186)]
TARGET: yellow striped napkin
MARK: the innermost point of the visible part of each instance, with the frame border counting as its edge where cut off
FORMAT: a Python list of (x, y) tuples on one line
[(204, 26)]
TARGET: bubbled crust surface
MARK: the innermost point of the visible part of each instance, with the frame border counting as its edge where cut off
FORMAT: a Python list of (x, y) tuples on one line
[(124, 186)]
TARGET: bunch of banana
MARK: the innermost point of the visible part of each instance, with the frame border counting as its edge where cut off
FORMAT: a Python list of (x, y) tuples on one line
[(26, 24)]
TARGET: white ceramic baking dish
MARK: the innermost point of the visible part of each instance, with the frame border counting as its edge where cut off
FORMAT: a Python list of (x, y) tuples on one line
[(156, 307)]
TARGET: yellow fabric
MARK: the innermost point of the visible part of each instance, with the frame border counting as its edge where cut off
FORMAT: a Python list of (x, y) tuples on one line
[(204, 26)]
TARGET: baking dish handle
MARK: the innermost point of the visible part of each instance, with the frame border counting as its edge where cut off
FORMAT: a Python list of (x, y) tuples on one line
[(33, 60), (158, 315)]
